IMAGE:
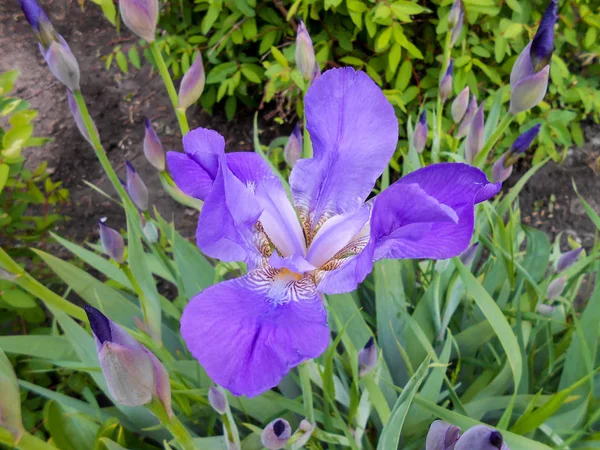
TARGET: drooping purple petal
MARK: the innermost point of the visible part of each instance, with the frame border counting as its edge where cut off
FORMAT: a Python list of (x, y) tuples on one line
[(249, 332), (189, 176), (354, 132), (542, 44)]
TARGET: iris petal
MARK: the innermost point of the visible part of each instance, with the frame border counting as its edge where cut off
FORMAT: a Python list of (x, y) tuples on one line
[(249, 332)]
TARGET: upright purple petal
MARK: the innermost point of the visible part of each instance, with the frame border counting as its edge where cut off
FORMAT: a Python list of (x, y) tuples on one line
[(249, 332), (542, 44), (354, 132)]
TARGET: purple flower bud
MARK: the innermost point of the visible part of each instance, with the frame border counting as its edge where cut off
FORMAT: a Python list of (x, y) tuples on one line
[(37, 18), (556, 288), (10, 400), (276, 434), (475, 137), (500, 172), (136, 188), (455, 13), (316, 73), (542, 44), (305, 53), (468, 255), (140, 16), (545, 310), (62, 63), (112, 242), (367, 357), (465, 124), (192, 84), (153, 148), (521, 144), (293, 149), (529, 91), (442, 436), (419, 137), (217, 400), (481, 437), (307, 429), (78, 118), (567, 259), (134, 376), (446, 82), (460, 104)]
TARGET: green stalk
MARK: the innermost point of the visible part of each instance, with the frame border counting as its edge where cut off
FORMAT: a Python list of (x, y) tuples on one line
[(483, 154), (377, 398), (137, 288), (307, 395), (307, 149), (385, 178), (27, 442), (173, 424), (168, 82), (437, 140)]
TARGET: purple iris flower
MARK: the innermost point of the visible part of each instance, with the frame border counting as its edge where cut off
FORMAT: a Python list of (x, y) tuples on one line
[(250, 331)]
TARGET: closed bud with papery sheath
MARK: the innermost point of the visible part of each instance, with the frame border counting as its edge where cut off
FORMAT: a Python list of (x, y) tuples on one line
[(140, 16), (419, 137), (153, 149), (136, 188), (556, 288), (192, 84), (150, 232), (475, 137), (468, 256), (467, 120), (481, 437), (530, 74), (79, 118), (567, 259), (502, 168), (500, 172), (442, 436), (367, 358), (305, 52), (217, 399), (10, 400), (276, 435), (446, 82), (112, 242), (134, 376), (460, 105), (455, 21), (293, 148), (54, 48)]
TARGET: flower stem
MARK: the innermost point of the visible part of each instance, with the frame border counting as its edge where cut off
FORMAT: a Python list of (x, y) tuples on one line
[(168, 82), (173, 424), (307, 395), (377, 398), (28, 442), (437, 139), (500, 129)]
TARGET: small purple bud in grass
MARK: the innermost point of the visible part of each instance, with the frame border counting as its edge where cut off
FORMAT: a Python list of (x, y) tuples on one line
[(307, 429), (367, 358), (446, 82), (136, 188), (481, 437), (293, 149), (217, 400), (545, 310), (112, 242), (140, 16), (475, 137), (153, 148), (305, 53), (442, 436), (467, 120), (542, 44), (567, 259), (62, 63), (460, 104), (500, 172), (556, 288), (468, 255), (419, 137), (78, 118), (134, 376), (192, 84), (521, 144), (10, 400), (276, 434)]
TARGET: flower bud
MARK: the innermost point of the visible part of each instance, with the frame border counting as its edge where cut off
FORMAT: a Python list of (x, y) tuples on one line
[(545, 310), (140, 16), (542, 44), (460, 104), (442, 436), (78, 118), (153, 149), (112, 242), (276, 434), (41, 25), (305, 53), (10, 400), (305, 429), (62, 63), (455, 21), (475, 137), (521, 144), (293, 149), (446, 82), (467, 120), (556, 288), (134, 376), (367, 357), (481, 437), (192, 84), (567, 259), (530, 91), (468, 255), (136, 188), (217, 400), (150, 232), (500, 172), (419, 137)]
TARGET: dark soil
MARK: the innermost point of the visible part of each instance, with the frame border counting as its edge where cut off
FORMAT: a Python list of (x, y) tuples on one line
[(119, 102)]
